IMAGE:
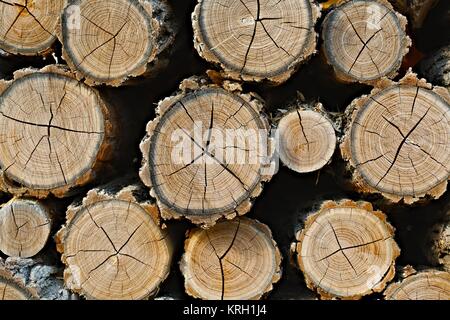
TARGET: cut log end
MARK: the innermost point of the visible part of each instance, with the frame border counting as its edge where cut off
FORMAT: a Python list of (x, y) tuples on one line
[(54, 132), (111, 40), (307, 140), (397, 142), (12, 289), (346, 250), (235, 259), (256, 40), (25, 226), (29, 27), (365, 40), (204, 156), (114, 248), (425, 285)]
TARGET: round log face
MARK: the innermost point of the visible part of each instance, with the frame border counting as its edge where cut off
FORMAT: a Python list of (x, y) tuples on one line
[(400, 140), (364, 40), (113, 249), (110, 41), (11, 289), (24, 228), (51, 129), (307, 140), (259, 39), (346, 251), (205, 153), (427, 285), (233, 260), (28, 27)]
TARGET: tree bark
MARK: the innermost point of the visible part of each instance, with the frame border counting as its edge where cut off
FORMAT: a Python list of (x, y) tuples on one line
[(436, 68), (12, 288), (416, 10)]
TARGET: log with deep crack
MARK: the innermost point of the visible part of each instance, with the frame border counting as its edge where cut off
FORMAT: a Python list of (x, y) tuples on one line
[(397, 140), (55, 133)]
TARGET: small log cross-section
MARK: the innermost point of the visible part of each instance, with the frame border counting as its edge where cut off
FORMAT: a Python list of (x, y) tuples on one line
[(25, 226), (204, 156), (234, 260), (113, 247), (346, 250), (397, 141), (307, 139), (54, 133), (106, 42), (425, 285), (28, 27), (255, 40), (12, 289), (365, 40)]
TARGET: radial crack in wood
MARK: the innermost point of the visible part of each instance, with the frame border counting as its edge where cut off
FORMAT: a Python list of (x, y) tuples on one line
[(346, 250), (255, 40), (397, 141), (365, 40), (25, 226), (54, 133), (13, 289), (206, 154), (235, 260), (113, 246), (425, 285), (28, 27)]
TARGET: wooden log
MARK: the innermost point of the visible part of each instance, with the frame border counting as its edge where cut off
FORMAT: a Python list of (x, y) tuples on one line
[(25, 226), (107, 42), (113, 246), (256, 40), (234, 260), (204, 156), (436, 68), (307, 138), (28, 27), (13, 289), (415, 10), (397, 140), (55, 133), (425, 285), (438, 244), (365, 40), (346, 250)]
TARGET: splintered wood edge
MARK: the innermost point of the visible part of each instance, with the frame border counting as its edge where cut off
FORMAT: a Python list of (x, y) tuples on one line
[(104, 153), (267, 232), (187, 86), (29, 292), (406, 44), (205, 53), (359, 183), (98, 195), (329, 204), (156, 30)]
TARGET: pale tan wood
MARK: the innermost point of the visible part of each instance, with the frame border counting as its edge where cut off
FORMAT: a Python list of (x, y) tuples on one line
[(25, 226), (346, 250), (235, 260), (254, 40), (397, 140), (113, 246), (365, 40), (307, 138), (221, 173), (114, 40), (425, 285), (55, 133), (28, 27), (13, 289)]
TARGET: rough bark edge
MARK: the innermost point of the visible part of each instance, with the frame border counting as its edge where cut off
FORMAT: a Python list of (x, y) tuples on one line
[(188, 86), (326, 205), (437, 67), (437, 247), (5, 274), (350, 114), (104, 154), (161, 37), (405, 45), (411, 276), (129, 193), (263, 228), (308, 51)]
